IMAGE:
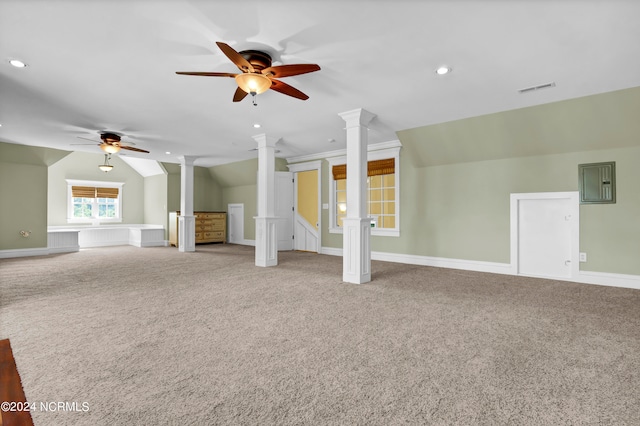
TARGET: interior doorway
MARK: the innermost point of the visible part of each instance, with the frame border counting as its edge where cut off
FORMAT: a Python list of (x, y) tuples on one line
[(235, 216), (545, 234), (307, 218), (306, 211)]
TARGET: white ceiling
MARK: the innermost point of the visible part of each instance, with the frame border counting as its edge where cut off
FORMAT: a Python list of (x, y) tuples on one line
[(99, 65)]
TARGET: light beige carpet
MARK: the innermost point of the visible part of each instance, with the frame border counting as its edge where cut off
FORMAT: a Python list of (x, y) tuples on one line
[(157, 337)]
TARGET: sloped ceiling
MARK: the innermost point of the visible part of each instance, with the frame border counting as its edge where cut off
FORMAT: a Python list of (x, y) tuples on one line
[(25, 154), (593, 122)]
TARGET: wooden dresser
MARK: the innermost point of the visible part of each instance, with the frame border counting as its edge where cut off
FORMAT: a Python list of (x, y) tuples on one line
[(211, 227)]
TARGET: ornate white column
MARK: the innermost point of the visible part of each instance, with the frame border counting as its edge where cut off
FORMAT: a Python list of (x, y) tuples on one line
[(356, 228), (186, 220), (266, 222)]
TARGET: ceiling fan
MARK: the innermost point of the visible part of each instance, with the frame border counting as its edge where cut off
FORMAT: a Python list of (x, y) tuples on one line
[(111, 143), (257, 73)]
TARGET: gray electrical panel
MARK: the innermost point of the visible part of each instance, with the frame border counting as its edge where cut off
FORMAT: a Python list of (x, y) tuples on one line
[(597, 183)]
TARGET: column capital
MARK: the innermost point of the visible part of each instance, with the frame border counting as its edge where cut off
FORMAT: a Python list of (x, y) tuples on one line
[(265, 141), (187, 160), (357, 117)]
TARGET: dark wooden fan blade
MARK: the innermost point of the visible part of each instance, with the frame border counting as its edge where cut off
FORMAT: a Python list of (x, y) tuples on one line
[(235, 57), (130, 148), (285, 89), (207, 74), (87, 139), (280, 71), (239, 95)]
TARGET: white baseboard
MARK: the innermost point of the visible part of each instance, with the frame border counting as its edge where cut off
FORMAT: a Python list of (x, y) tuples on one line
[(331, 251), (97, 244), (69, 249), (609, 279), (584, 277), (244, 242), (440, 262), (40, 251)]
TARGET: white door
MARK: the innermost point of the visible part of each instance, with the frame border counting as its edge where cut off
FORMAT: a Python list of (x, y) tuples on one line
[(235, 215), (546, 234), (284, 210)]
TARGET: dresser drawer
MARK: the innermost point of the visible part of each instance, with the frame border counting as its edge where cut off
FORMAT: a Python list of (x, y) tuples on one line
[(213, 236), (211, 215), (204, 227)]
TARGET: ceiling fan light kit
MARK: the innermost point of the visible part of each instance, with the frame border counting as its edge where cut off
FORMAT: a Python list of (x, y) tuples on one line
[(253, 83), (109, 149)]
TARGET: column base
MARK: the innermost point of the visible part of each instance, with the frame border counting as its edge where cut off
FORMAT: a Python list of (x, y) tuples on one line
[(356, 251), (266, 241), (186, 233)]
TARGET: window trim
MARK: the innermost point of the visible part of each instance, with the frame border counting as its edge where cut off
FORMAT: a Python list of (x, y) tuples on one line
[(381, 154), (98, 184)]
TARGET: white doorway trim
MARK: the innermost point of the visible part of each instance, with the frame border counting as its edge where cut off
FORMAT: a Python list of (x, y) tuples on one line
[(573, 217), (303, 167)]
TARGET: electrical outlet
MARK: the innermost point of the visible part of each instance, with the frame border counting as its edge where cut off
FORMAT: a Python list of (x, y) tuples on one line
[(583, 257)]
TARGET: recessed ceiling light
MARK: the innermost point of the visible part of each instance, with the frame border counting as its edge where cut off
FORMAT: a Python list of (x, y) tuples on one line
[(257, 125), (17, 63), (443, 70), (167, 152)]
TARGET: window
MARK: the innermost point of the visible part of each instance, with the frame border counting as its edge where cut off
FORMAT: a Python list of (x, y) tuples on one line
[(382, 192), (92, 201)]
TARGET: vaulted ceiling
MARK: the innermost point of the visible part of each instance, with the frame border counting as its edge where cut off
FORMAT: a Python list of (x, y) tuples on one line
[(110, 65)]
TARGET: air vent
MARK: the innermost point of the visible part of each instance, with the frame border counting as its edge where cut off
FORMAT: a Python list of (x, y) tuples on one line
[(534, 88)]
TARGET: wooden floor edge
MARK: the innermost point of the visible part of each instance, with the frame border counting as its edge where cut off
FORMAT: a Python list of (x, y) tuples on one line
[(11, 391)]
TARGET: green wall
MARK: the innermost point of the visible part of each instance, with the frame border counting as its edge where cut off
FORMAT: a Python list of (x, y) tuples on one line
[(84, 166), (207, 193), (173, 186), (456, 179), (23, 191), (247, 195), (462, 211), (155, 201)]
